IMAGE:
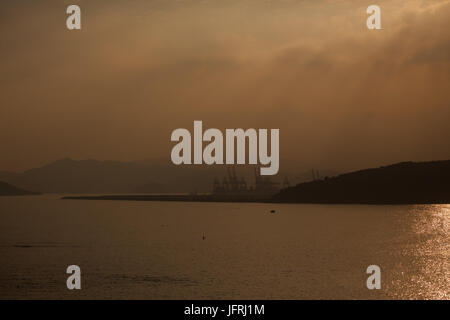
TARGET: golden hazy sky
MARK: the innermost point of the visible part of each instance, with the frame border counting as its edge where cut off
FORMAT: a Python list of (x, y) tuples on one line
[(344, 97)]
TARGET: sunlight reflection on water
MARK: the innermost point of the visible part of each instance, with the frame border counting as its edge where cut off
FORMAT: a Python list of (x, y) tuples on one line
[(154, 250)]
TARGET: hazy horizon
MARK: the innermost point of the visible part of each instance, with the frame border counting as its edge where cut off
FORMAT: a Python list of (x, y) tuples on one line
[(240, 168), (344, 97)]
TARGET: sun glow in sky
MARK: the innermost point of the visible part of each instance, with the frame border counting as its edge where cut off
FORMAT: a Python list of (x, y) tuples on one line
[(343, 97)]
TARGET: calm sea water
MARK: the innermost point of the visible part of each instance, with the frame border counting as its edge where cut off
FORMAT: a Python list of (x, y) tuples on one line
[(155, 250)]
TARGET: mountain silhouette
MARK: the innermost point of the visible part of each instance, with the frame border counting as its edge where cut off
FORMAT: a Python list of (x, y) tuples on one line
[(94, 176), (9, 190), (401, 183), (133, 177)]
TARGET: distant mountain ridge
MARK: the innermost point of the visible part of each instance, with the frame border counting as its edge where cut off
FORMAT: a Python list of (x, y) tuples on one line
[(94, 176), (401, 183), (116, 177), (9, 190)]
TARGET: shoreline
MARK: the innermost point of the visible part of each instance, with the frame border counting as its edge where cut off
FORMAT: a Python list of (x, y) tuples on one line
[(177, 198), (238, 199)]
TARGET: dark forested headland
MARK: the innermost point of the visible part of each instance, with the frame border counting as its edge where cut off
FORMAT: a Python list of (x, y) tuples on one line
[(402, 183)]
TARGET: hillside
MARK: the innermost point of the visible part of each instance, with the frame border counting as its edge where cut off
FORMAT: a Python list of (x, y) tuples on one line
[(402, 183), (94, 176), (9, 190)]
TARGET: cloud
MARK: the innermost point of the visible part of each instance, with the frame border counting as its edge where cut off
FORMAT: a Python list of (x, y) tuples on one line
[(344, 97)]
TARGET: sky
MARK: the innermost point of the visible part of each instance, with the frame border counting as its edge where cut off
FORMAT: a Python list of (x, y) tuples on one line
[(344, 97)]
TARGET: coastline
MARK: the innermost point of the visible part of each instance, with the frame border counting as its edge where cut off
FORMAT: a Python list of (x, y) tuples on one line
[(240, 199)]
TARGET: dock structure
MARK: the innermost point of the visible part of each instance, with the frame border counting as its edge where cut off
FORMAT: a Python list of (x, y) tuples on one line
[(233, 186), (230, 189)]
